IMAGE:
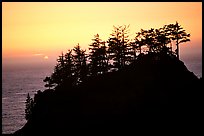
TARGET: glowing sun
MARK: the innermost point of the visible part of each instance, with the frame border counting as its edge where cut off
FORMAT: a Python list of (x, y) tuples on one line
[(46, 57)]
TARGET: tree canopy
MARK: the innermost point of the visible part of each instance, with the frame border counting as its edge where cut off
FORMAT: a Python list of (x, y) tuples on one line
[(75, 66)]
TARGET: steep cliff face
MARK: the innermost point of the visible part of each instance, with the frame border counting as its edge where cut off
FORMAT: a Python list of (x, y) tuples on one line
[(149, 90)]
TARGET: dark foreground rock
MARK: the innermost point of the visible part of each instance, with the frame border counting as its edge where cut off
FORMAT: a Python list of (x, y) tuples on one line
[(150, 94)]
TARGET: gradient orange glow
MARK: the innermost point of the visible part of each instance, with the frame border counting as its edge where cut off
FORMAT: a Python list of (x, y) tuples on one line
[(30, 28)]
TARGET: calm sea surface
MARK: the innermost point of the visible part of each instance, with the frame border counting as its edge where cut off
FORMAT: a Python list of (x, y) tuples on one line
[(17, 82)]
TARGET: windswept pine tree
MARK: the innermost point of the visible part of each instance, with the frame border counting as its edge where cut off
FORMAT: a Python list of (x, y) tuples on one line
[(178, 34), (163, 42), (160, 40)]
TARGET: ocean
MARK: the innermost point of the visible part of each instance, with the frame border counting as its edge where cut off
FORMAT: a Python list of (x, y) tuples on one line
[(18, 82)]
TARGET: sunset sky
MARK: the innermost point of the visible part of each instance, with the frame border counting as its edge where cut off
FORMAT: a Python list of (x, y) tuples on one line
[(39, 32)]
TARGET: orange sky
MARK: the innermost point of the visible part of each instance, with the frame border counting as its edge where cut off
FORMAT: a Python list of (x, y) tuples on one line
[(46, 29)]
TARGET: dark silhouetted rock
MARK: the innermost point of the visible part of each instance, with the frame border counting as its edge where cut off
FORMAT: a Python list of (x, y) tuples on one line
[(155, 92)]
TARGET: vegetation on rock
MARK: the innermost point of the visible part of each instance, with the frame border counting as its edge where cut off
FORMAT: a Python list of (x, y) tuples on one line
[(120, 84)]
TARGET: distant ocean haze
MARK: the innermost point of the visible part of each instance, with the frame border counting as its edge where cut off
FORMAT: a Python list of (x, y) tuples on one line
[(18, 80), (193, 62), (31, 62)]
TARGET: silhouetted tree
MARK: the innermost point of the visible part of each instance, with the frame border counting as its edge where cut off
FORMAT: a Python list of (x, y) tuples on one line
[(79, 63), (155, 39), (94, 55), (98, 57), (118, 46), (145, 38), (137, 44), (69, 68), (64, 70), (179, 35), (68, 62), (29, 107), (61, 60), (58, 76), (150, 39), (162, 40), (49, 82), (126, 49), (103, 58), (84, 70), (62, 64), (167, 32), (73, 68)]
